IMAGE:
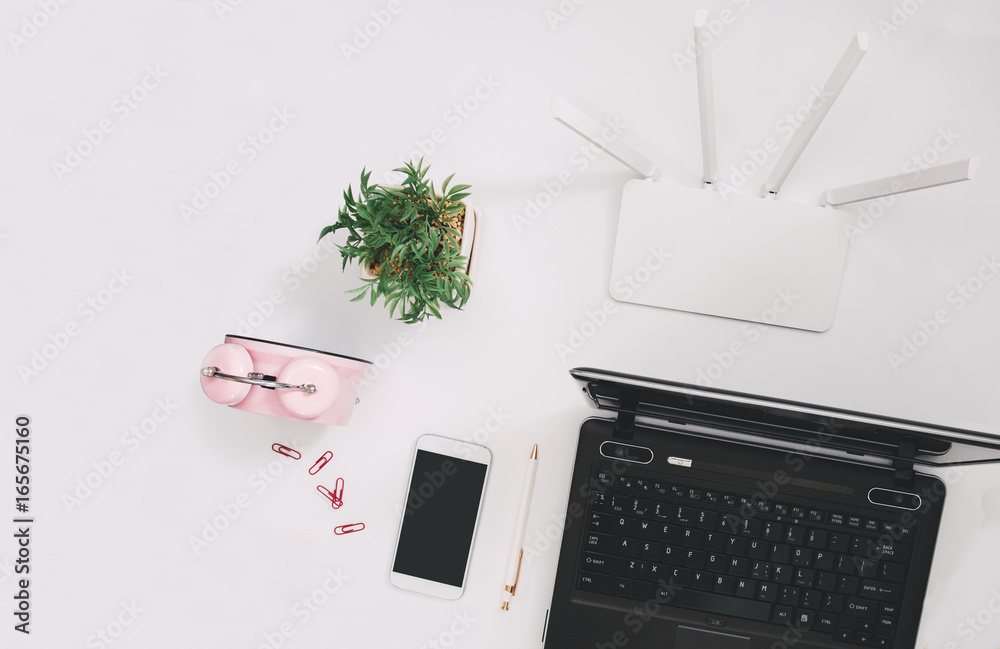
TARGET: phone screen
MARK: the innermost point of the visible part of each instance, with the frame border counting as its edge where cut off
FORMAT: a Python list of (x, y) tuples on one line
[(439, 520)]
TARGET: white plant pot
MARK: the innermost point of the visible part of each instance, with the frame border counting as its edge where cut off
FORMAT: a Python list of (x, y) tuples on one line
[(470, 234)]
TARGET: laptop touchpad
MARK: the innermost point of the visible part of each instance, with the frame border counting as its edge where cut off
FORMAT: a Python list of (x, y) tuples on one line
[(691, 638)]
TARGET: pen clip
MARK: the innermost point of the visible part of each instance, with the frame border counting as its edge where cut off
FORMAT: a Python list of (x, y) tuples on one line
[(517, 576)]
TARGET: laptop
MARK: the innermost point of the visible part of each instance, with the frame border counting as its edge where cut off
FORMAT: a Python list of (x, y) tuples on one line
[(701, 518)]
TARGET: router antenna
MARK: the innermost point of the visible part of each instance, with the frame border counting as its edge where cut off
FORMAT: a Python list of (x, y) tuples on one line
[(593, 130), (828, 94), (945, 174), (706, 105)]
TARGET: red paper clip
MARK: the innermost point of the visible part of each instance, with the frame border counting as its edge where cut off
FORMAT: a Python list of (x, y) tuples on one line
[(347, 529), (286, 451), (321, 462), (335, 497)]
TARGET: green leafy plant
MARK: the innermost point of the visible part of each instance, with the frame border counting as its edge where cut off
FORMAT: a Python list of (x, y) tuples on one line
[(410, 238)]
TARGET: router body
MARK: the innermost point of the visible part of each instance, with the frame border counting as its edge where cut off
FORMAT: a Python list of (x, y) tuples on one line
[(753, 258), (732, 256)]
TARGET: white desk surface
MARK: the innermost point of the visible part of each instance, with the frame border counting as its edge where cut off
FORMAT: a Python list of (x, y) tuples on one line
[(216, 72)]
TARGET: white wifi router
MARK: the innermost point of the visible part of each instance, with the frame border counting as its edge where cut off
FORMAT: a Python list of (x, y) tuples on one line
[(740, 256)]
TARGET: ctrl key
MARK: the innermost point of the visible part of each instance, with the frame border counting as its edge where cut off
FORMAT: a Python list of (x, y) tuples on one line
[(593, 582)]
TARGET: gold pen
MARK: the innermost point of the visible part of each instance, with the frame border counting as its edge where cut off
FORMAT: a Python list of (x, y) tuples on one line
[(517, 550)]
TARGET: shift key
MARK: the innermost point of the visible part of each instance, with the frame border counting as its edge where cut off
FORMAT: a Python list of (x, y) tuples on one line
[(604, 563)]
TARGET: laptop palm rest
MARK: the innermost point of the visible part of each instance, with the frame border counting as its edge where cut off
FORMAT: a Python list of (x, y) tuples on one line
[(729, 255), (690, 638)]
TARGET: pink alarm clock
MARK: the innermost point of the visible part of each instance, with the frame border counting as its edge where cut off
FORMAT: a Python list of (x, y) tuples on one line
[(282, 380)]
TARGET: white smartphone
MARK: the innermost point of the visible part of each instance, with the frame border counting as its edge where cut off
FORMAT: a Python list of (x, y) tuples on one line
[(440, 516)]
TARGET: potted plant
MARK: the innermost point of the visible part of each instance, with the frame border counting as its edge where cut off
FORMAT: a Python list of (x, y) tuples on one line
[(413, 244)]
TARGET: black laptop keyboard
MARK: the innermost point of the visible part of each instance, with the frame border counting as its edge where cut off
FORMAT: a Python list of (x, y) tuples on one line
[(831, 572)]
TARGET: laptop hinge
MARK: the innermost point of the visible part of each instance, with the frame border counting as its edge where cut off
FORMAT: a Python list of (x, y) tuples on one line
[(904, 462), (628, 403)]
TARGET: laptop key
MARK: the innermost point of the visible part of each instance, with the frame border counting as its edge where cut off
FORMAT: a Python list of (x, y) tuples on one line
[(635, 568), (758, 549), (604, 563), (621, 587), (674, 555), (725, 585), (625, 525), (832, 603), (816, 540), (593, 582), (826, 582), (803, 620), (746, 588), (647, 530), (598, 542), (653, 551), (681, 577), (640, 507), (643, 590), (893, 572), (844, 635), (602, 522), (625, 547), (824, 622), (600, 502), (782, 615), (773, 531), (889, 549), (795, 535), (722, 604), (620, 504), (715, 542), (862, 608), (823, 560), (838, 542)]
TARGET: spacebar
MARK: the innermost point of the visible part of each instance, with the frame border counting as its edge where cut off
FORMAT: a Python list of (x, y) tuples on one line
[(722, 604)]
